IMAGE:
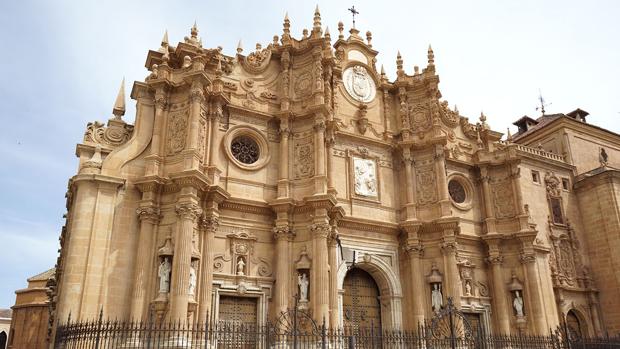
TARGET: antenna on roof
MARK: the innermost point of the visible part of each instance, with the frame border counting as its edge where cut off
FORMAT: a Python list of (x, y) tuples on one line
[(353, 12), (543, 104)]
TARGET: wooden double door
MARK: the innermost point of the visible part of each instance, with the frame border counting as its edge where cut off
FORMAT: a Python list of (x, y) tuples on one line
[(361, 305)]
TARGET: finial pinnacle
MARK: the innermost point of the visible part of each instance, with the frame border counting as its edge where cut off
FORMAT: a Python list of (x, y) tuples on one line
[(164, 40), (239, 47), (399, 63), (119, 104), (316, 27), (430, 56), (508, 135), (194, 30), (340, 30), (382, 71), (328, 37), (286, 28)]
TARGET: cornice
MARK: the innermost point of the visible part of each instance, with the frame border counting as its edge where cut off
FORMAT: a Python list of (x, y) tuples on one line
[(590, 179), (247, 206), (362, 224)]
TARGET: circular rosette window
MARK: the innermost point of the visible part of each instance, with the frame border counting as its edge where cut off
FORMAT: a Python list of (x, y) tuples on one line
[(460, 191), (246, 147)]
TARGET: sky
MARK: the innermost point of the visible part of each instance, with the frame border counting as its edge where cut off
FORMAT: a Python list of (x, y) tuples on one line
[(64, 61)]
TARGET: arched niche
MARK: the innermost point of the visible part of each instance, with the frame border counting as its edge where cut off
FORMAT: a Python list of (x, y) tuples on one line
[(389, 288)]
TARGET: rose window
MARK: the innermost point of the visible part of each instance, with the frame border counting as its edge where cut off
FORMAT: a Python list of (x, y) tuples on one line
[(457, 191), (245, 149)]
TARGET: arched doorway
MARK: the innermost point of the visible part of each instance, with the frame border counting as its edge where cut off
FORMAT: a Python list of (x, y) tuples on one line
[(360, 301), (573, 325), (2, 340)]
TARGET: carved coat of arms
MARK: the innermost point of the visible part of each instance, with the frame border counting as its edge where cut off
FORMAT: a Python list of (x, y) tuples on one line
[(359, 84)]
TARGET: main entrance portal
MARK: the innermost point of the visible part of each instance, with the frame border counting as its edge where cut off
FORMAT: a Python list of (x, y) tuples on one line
[(361, 305), (238, 310)]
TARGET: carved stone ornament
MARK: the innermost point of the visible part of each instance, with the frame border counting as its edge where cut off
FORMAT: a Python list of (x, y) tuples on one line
[(420, 117), (365, 177), (503, 199), (304, 157), (427, 189), (115, 134), (449, 117), (242, 249), (552, 183), (257, 61), (303, 84), (359, 84), (177, 132)]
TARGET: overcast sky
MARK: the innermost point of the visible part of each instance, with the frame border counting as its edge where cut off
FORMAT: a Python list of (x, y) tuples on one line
[(63, 62)]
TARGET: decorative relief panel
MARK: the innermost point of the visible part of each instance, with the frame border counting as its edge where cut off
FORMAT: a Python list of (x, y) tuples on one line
[(365, 177), (427, 188), (202, 137), (565, 260), (303, 84), (241, 257), (304, 157), (420, 117), (359, 84), (177, 132), (503, 198)]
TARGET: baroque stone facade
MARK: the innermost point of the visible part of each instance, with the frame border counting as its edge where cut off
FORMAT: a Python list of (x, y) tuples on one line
[(248, 179)]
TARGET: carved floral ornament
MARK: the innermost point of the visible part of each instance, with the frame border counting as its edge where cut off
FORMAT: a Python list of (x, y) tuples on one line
[(246, 147)]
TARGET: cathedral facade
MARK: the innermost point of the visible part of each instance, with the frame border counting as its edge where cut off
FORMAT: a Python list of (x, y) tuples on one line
[(299, 175)]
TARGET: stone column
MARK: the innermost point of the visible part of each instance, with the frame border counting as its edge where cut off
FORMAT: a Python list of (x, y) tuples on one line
[(208, 225), (329, 144), (415, 252), (488, 203), (196, 99), (449, 248), (411, 182), (502, 311), (149, 216), (283, 183), (283, 235), (596, 319), (217, 112), (188, 212), (319, 150), (155, 158), (528, 259), (515, 174), (332, 256), (320, 266), (442, 183)]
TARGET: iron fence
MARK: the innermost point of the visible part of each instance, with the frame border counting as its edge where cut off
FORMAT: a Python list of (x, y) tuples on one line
[(112, 334)]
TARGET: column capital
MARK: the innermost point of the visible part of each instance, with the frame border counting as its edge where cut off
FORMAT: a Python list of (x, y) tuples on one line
[(449, 247), (188, 210), (149, 213), (209, 223), (319, 125), (414, 250), (320, 229), (527, 257), (283, 232), (495, 259)]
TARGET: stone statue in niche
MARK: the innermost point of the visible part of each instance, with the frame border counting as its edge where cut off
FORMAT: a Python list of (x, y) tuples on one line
[(192, 279), (164, 275), (365, 177), (240, 266), (518, 304), (467, 288), (436, 297), (302, 281)]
